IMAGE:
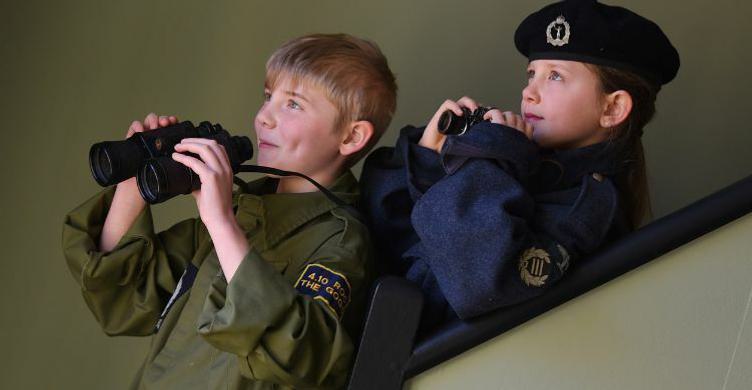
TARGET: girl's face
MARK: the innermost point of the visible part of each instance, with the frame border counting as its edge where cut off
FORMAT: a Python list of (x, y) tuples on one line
[(564, 103)]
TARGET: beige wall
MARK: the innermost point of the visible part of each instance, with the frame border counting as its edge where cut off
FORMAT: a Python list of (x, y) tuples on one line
[(76, 72)]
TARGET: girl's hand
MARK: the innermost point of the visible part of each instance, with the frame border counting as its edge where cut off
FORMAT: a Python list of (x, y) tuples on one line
[(214, 198), (431, 138), (510, 119)]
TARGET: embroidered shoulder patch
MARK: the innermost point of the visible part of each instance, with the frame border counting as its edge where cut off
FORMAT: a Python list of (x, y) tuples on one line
[(325, 285), (533, 266)]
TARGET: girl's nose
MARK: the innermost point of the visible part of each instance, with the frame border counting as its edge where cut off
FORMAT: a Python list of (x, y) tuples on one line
[(530, 93)]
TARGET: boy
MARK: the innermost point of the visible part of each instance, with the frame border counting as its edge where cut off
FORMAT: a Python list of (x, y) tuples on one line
[(280, 273)]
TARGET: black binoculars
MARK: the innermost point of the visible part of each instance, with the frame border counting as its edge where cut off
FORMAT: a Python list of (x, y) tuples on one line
[(452, 124), (148, 156)]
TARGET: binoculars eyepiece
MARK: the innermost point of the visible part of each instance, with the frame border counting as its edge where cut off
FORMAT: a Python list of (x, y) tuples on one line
[(148, 156), (453, 124)]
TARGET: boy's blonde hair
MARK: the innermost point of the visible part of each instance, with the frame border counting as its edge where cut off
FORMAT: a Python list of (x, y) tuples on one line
[(352, 72)]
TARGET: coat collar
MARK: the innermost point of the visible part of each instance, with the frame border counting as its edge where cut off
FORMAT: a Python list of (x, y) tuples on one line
[(280, 214), (567, 167)]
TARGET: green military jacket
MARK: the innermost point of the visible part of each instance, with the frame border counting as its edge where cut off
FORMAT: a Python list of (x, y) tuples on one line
[(286, 319)]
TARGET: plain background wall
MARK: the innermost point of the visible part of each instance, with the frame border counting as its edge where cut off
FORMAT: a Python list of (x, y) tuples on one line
[(77, 72)]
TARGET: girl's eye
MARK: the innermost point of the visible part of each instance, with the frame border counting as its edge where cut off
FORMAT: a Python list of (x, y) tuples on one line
[(267, 96), (554, 76), (293, 104)]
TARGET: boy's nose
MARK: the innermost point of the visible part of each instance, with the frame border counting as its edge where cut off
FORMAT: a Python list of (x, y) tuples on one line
[(264, 118)]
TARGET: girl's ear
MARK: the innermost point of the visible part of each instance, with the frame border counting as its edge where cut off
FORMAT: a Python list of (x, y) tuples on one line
[(356, 137), (617, 109)]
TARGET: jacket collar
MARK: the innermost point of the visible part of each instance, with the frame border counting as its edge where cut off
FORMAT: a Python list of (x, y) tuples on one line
[(281, 214), (571, 165)]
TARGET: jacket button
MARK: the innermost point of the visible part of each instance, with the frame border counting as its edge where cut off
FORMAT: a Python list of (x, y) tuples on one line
[(597, 176)]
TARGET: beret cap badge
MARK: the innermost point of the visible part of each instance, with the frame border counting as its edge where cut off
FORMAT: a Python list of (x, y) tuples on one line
[(559, 24)]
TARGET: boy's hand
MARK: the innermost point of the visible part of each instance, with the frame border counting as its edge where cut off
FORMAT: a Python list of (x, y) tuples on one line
[(214, 198), (127, 202), (510, 119), (151, 122), (431, 138)]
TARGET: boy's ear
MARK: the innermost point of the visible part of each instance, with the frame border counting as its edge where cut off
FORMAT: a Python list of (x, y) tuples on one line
[(617, 109), (356, 137)]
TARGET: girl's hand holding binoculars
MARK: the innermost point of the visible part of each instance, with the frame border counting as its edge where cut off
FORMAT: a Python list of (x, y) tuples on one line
[(510, 119), (431, 138)]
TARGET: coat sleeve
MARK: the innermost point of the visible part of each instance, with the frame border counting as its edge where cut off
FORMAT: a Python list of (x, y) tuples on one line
[(391, 181), (126, 288), (479, 231), (291, 334)]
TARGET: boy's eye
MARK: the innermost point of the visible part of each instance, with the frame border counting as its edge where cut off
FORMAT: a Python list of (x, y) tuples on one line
[(293, 104), (530, 74), (554, 76)]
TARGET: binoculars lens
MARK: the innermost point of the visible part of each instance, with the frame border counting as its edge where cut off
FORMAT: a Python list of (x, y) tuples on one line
[(162, 178), (453, 124), (148, 182), (114, 161), (101, 166), (445, 121)]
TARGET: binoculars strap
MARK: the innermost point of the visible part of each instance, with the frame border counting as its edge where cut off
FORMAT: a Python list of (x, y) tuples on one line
[(278, 172)]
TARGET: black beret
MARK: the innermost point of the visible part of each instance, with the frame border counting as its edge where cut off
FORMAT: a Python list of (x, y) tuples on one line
[(587, 31)]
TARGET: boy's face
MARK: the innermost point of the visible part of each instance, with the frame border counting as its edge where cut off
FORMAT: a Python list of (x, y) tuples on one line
[(564, 102), (295, 128)]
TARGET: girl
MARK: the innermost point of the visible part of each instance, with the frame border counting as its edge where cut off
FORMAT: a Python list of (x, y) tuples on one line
[(496, 215)]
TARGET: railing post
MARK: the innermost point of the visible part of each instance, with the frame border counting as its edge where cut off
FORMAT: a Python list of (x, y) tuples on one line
[(387, 339)]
